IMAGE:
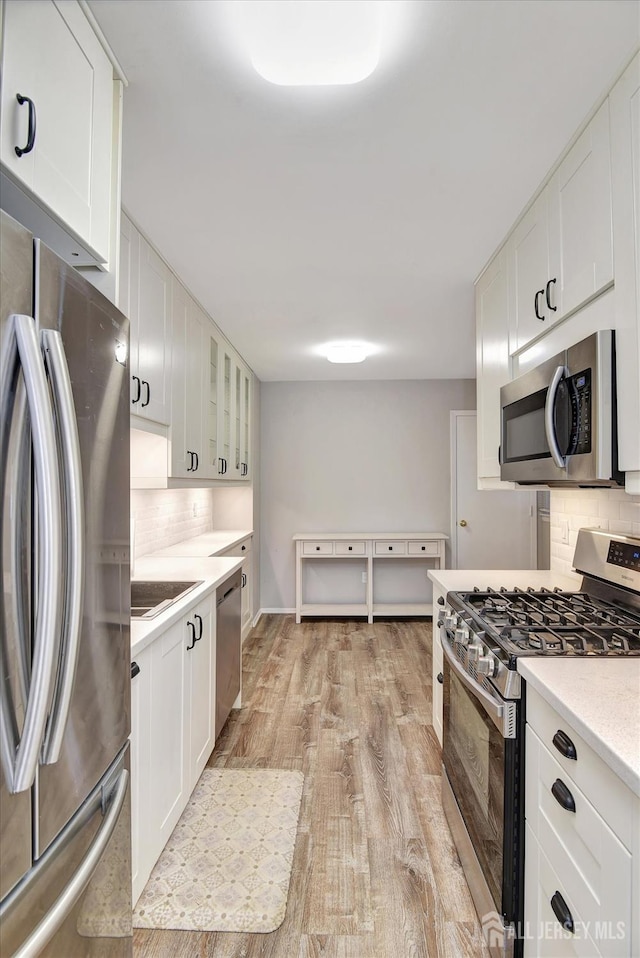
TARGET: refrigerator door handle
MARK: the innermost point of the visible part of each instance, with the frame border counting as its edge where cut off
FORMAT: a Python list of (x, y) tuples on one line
[(47, 487), (71, 630), (44, 932)]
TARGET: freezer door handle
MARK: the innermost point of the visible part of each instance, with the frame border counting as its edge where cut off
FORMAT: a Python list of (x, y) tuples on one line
[(71, 630), (20, 759), (55, 917)]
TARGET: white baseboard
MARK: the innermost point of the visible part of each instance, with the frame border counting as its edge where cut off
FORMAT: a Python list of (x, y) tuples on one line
[(275, 612)]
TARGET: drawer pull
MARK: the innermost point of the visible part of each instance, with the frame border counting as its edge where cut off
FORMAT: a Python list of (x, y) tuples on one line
[(390, 548), (317, 548), (135, 669), (350, 548), (562, 913), (564, 745), (31, 134), (563, 796)]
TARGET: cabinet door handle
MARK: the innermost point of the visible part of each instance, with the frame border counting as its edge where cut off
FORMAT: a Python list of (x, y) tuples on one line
[(535, 304), (562, 913), (564, 745), (135, 669), (548, 295), (195, 468), (31, 134), (563, 796), (136, 380), (190, 466), (191, 626), (146, 402), (199, 618), (244, 580)]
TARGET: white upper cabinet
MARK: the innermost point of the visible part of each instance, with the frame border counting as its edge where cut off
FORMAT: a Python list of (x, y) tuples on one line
[(531, 308), (624, 104), (561, 251), (56, 120), (493, 364), (188, 400), (580, 230)]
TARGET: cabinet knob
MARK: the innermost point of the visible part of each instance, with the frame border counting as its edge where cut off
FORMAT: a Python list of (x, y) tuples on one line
[(440, 678), (135, 669), (390, 548), (440, 600), (350, 548), (317, 548)]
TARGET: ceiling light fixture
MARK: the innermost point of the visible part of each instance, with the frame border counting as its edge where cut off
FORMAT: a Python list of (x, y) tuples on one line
[(346, 353), (312, 42)]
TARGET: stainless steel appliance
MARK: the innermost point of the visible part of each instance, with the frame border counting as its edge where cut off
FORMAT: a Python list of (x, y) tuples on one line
[(483, 635), (65, 863), (228, 646), (558, 421)]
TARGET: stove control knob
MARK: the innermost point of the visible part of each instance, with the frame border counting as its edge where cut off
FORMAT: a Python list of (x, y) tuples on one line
[(474, 651), (486, 665), (462, 633), (450, 620)]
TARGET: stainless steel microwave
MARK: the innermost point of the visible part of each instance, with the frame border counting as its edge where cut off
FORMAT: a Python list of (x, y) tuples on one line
[(558, 421)]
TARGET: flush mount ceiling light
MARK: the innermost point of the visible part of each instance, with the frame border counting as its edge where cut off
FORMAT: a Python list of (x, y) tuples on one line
[(346, 353), (312, 42)]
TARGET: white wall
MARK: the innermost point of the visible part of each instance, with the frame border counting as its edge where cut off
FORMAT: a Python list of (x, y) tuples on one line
[(609, 509), (351, 456)]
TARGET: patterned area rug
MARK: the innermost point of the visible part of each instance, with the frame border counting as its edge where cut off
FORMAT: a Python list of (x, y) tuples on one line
[(228, 862)]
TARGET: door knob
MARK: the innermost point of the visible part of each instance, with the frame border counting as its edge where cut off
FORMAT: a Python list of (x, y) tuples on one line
[(462, 523)]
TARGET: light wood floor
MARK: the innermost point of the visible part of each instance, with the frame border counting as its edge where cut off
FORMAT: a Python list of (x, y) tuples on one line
[(375, 874)]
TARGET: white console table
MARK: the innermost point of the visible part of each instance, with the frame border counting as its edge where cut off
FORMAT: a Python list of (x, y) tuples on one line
[(367, 548)]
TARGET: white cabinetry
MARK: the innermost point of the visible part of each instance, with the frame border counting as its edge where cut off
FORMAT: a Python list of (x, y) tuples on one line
[(437, 660), (560, 254), (244, 550), (57, 110), (624, 104), (188, 400), (493, 365), (173, 706), (145, 297), (581, 842)]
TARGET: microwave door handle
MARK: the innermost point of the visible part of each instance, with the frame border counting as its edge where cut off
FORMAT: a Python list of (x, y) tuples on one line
[(549, 425), (58, 370)]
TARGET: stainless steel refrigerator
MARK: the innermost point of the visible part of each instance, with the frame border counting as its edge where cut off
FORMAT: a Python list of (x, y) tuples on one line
[(65, 860)]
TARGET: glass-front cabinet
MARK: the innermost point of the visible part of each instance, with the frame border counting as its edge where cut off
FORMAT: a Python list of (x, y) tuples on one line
[(227, 396)]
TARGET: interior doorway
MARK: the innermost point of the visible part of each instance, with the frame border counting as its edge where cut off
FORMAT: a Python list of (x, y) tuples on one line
[(489, 529)]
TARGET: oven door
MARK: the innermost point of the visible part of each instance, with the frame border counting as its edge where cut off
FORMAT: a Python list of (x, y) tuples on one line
[(483, 776)]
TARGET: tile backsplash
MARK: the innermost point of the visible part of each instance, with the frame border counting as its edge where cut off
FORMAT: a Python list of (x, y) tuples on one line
[(609, 509), (163, 517)]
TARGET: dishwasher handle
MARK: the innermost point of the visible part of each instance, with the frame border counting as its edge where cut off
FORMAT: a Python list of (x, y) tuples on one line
[(226, 595)]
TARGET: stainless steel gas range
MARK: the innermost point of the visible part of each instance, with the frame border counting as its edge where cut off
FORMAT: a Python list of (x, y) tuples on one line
[(484, 633)]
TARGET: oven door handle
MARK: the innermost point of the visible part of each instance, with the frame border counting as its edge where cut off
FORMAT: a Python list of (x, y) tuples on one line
[(495, 710)]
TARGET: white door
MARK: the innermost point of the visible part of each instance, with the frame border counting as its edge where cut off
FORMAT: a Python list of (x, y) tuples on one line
[(489, 530)]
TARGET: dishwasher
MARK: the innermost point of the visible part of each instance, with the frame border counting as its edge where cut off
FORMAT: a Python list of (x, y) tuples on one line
[(228, 647)]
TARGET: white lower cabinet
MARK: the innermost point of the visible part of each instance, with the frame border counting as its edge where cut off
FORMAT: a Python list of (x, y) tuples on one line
[(244, 550), (437, 661), (581, 845), (172, 707)]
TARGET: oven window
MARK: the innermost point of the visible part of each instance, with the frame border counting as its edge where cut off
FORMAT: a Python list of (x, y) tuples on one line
[(474, 759)]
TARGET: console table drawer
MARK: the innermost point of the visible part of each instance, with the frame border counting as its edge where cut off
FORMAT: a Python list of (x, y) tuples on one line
[(419, 547), (383, 548), (345, 548), (317, 548)]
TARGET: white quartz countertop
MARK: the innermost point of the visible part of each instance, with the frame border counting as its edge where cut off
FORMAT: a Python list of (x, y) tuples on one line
[(600, 698), (463, 580), (208, 544), (210, 572)]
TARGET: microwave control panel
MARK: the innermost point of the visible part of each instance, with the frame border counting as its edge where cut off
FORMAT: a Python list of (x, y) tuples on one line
[(579, 388)]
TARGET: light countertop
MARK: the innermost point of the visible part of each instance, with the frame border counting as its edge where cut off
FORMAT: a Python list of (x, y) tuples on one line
[(209, 571), (369, 535), (463, 580), (208, 544), (600, 698)]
